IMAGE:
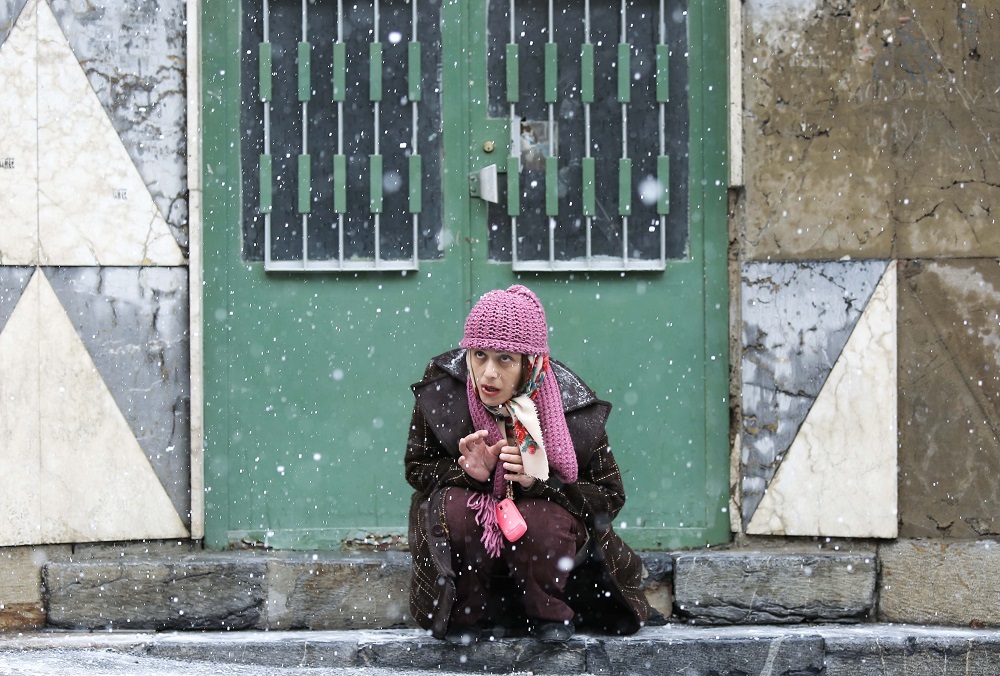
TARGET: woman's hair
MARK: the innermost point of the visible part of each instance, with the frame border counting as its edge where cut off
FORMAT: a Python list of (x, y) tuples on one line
[(525, 372)]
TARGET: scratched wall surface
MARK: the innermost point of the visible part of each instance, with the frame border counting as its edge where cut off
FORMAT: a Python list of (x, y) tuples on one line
[(870, 129), (869, 133), (949, 381)]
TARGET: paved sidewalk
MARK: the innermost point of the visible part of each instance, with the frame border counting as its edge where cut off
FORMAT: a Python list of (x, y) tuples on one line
[(673, 649)]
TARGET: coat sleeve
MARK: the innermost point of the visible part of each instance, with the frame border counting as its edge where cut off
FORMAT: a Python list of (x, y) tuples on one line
[(598, 493), (429, 466)]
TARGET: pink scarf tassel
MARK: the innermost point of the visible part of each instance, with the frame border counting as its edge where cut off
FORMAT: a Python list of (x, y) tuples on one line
[(485, 507)]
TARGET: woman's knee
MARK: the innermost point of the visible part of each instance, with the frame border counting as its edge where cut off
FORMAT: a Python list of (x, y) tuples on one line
[(552, 531)]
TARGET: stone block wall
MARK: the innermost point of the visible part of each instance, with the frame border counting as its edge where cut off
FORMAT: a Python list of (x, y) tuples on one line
[(869, 303)]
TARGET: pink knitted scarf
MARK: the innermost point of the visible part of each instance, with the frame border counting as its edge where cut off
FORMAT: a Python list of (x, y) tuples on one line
[(543, 390)]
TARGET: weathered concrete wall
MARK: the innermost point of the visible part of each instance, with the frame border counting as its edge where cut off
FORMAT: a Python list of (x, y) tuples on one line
[(22, 607), (869, 129), (869, 134), (928, 582)]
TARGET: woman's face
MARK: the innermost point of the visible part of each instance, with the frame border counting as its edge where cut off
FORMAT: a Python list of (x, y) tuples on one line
[(496, 373)]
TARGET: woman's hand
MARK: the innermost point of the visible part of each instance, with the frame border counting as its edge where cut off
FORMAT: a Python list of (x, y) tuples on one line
[(477, 459), (513, 467)]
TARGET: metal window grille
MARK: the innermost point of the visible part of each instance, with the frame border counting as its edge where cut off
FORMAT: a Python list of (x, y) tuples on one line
[(593, 135), (335, 132)]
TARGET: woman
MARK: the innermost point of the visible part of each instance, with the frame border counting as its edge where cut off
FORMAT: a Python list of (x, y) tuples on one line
[(499, 419)]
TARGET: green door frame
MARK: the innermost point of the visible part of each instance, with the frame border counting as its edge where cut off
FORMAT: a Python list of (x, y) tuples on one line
[(707, 262)]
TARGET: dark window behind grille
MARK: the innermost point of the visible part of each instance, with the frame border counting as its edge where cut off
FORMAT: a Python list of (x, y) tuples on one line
[(328, 140), (554, 121)]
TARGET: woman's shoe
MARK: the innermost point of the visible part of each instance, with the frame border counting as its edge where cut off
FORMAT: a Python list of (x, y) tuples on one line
[(462, 635), (554, 632)]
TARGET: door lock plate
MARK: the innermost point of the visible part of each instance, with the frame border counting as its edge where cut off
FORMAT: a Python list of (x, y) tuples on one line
[(483, 184)]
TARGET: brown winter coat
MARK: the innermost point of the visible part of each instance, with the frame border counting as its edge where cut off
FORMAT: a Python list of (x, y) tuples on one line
[(605, 589)]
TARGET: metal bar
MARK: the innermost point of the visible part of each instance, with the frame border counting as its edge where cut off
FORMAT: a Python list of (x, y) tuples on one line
[(662, 73), (625, 164), (589, 187), (587, 76), (552, 186), (551, 71), (513, 73), (340, 160), (596, 265), (375, 183), (663, 95), (339, 76), (375, 71), (552, 159), (265, 177), (413, 70), (416, 185), (375, 162), (513, 178), (324, 265), (304, 183), (663, 178), (305, 163), (305, 66), (513, 185), (587, 73), (264, 71), (624, 72), (624, 186), (267, 136), (416, 176), (340, 183)]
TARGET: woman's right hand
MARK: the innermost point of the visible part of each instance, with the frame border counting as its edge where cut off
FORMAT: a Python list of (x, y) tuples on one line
[(477, 459)]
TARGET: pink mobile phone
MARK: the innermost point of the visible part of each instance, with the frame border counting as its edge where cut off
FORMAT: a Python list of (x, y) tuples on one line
[(511, 522)]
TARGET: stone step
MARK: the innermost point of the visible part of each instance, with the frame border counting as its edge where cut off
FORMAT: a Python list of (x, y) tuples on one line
[(337, 591), (834, 650)]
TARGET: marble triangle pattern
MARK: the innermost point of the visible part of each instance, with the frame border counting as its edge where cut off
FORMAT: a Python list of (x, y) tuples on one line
[(838, 478), (131, 322), (92, 205), (19, 156), (63, 494), (20, 459), (13, 281), (796, 320), (8, 14)]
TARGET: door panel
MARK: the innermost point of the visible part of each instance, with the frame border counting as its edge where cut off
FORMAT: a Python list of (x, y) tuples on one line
[(341, 269)]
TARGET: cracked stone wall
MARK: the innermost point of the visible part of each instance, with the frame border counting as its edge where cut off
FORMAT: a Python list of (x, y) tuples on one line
[(869, 133)]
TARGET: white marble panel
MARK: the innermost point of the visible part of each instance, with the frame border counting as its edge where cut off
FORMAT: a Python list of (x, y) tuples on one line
[(18, 149), (96, 482), (93, 207), (839, 476), (20, 460), (141, 82), (797, 318)]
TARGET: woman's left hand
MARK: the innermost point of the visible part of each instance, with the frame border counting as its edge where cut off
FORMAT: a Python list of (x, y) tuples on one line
[(513, 467)]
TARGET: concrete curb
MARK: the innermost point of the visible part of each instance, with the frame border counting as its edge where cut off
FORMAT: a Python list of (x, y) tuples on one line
[(796, 649)]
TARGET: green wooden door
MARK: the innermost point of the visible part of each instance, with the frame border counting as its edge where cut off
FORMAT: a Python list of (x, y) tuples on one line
[(371, 170)]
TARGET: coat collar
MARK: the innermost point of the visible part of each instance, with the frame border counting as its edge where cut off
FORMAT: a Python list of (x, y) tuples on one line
[(575, 393)]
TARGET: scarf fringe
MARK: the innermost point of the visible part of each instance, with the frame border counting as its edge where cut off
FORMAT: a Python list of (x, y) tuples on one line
[(485, 507)]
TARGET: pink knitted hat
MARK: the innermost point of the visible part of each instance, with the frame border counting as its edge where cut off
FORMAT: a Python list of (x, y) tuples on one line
[(510, 320)]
